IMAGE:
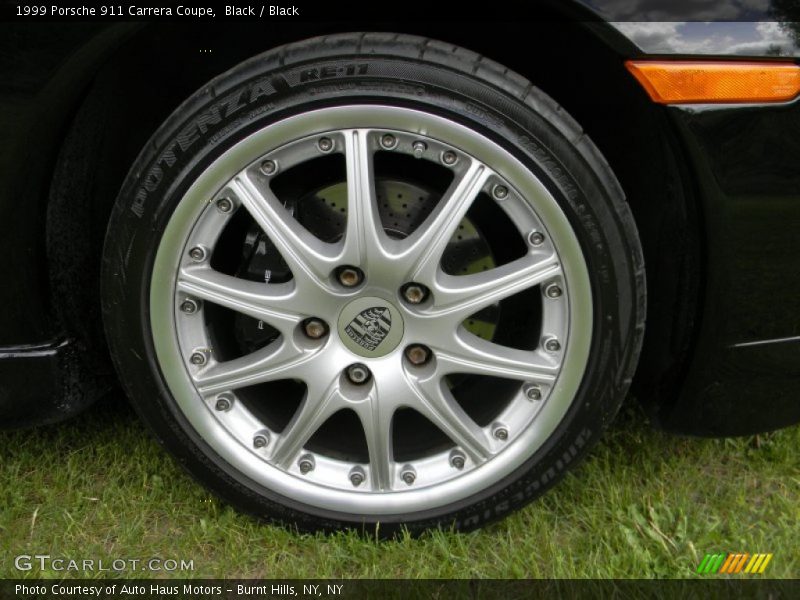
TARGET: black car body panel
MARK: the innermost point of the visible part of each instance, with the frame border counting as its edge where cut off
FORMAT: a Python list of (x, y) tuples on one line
[(43, 383), (745, 372), (740, 374)]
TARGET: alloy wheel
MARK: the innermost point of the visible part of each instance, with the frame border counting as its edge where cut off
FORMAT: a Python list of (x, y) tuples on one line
[(327, 338)]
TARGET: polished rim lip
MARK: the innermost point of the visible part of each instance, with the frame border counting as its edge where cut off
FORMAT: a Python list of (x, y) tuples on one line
[(215, 176)]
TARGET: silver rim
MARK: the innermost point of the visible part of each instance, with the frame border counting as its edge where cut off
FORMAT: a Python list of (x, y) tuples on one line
[(369, 329)]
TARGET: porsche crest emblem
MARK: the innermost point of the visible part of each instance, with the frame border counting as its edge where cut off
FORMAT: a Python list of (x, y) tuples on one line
[(370, 327)]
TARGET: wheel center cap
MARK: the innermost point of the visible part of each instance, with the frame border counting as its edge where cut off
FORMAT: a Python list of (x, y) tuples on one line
[(370, 327)]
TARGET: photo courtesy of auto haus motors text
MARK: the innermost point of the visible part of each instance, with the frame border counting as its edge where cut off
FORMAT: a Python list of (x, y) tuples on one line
[(167, 590)]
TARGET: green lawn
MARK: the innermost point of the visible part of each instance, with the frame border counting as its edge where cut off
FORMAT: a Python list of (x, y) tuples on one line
[(644, 504)]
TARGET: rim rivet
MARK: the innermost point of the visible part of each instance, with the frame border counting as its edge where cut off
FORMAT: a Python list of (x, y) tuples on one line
[(500, 433), (306, 464), (269, 167), (350, 276), (325, 144), (224, 205), (357, 476), (223, 404), (315, 328), (261, 440), (417, 354), (533, 392), (408, 475), (552, 345), (197, 254), (449, 157), (500, 192), (415, 293), (457, 460), (189, 306), (419, 148), (198, 358), (357, 373), (388, 141), (536, 238), (553, 291)]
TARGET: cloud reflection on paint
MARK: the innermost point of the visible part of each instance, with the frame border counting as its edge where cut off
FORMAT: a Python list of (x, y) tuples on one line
[(766, 38), (706, 27)]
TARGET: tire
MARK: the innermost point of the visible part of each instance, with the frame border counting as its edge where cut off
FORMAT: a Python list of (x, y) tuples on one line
[(326, 380)]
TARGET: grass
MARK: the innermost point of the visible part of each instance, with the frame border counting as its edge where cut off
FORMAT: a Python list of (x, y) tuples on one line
[(644, 504)]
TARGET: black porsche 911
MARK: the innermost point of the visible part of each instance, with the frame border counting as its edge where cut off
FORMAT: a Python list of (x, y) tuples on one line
[(402, 272)]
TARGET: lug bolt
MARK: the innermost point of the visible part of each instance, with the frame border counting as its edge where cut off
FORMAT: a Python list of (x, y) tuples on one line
[(269, 167), (552, 345), (197, 254), (357, 476), (350, 276), (500, 433), (189, 306), (223, 404), (388, 141), (536, 238), (408, 475), (500, 192), (553, 291), (224, 205), (357, 373), (315, 328), (260, 441), (419, 149), (306, 464), (533, 392), (457, 460), (417, 354), (198, 358), (325, 144), (415, 293), (449, 157)]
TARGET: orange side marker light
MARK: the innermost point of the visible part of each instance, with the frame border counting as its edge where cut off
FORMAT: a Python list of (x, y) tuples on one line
[(698, 82)]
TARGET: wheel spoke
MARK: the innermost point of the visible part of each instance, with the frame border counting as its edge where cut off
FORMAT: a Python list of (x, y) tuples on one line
[(477, 356), (376, 418), (308, 257), (278, 360), (314, 410), (276, 304), (424, 247), (464, 295), (364, 232), (437, 404)]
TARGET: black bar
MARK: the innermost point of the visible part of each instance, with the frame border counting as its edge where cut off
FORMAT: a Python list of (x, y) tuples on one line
[(215, 589), (194, 11)]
